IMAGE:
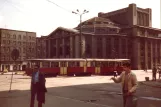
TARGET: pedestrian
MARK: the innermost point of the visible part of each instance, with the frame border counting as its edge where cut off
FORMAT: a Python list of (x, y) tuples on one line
[(129, 85), (159, 71), (154, 71), (38, 88), (115, 74)]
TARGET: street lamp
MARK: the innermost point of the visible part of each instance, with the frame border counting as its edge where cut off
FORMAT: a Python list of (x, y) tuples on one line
[(80, 14)]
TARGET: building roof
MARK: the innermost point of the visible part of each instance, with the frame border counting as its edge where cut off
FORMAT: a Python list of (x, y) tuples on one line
[(100, 22), (101, 19), (16, 30), (118, 34), (65, 29)]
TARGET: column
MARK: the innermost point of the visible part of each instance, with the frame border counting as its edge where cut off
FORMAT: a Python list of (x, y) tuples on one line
[(146, 33), (77, 46), (104, 47), (126, 48), (94, 47), (136, 54), (57, 49), (156, 54), (112, 48), (120, 48), (160, 53), (146, 54), (151, 54), (11, 67), (149, 17), (83, 46), (132, 14), (20, 66), (71, 46), (49, 45), (144, 20), (63, 47)]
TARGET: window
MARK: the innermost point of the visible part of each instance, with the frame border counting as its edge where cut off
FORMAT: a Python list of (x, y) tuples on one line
[(24, 50), (24, 37), (19, 43), (4, 41), (8, 42), (19, 36), (14, 36), (3, 35), (24, 43), (14, 42), (8, 35)]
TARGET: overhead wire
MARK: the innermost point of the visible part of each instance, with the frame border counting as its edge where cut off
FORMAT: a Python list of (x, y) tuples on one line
[(59, 6)]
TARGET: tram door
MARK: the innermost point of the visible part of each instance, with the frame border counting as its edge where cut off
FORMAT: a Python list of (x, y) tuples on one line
[(97, 67), (63, 67)]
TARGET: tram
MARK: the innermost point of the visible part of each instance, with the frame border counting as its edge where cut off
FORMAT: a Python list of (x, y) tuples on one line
[(76, 66)]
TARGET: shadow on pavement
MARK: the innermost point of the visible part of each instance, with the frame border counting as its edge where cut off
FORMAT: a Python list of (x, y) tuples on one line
[(87, 95)]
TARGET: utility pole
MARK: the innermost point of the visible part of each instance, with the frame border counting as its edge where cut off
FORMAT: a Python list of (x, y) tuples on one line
[(82, 39)]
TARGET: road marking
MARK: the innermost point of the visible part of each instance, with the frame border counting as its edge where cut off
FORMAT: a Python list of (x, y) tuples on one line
[(151, 98)]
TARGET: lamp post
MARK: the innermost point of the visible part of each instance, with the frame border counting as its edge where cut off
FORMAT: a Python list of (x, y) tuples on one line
[(81, 42)]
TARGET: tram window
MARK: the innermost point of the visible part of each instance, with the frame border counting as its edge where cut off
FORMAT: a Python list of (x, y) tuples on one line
[(77, 64), (118, 64), (54, 64), (92, 64), (98, 64), (102, 64), (62, 64), (45, 64), (71, 64), (111, 64), (105, 64), (65, 64), (88, 64)]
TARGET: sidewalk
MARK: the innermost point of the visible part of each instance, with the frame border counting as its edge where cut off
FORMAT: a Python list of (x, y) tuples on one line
[(156, 84), (10, 73)]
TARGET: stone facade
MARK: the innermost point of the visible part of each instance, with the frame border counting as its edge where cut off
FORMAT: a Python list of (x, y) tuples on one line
[(41, 47), (125, 33), (24, 41)]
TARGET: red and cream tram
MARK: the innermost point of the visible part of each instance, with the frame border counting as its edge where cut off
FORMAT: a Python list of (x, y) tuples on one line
[(75, 66)]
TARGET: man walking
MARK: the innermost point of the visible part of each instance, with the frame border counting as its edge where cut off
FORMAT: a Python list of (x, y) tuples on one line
[(154, 71), (37, 87), (129, 85)]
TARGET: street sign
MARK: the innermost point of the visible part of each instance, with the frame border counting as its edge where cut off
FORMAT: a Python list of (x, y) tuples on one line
[(15, 54)]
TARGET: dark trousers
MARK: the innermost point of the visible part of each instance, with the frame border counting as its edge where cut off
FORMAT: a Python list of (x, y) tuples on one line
[(34, 93), (129, 101), (154, 76)]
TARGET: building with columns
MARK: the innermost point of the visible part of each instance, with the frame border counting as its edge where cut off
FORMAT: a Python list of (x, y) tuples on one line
[(24, 41), (41, 47), (124, 33)]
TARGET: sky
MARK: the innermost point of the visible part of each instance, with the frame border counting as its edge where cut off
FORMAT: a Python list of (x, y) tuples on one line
[(43, 16)]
